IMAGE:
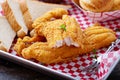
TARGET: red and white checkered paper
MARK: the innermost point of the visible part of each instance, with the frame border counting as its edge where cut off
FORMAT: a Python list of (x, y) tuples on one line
[(100, 17), (73, 68)]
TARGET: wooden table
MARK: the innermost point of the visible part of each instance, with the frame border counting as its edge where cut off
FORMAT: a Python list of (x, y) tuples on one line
[(11, 71)]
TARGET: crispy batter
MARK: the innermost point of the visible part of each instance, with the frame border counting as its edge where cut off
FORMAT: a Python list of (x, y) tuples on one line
[(53, 14), (96, 5), (98, 36), (63, 45), (45, 54), (26, 42), (57, 37), (116, 5)]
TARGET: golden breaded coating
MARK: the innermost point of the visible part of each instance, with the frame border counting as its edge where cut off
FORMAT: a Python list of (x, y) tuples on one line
[(26, 42), (64, 40), (57, 36), (116, 5), (96, 5), (45, 54), (98, 36), (53, 14), (92, 40)]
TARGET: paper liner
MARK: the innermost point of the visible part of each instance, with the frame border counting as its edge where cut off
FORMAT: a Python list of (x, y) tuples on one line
[(99, 17), (73, 68), (106, 64)]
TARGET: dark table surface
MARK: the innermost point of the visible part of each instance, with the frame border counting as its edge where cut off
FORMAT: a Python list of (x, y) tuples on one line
[(12, 71)]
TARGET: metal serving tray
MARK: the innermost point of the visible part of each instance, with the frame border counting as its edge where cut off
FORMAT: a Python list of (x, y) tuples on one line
[(35, 66)]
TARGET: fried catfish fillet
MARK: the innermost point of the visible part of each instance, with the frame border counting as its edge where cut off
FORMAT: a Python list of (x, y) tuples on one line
[(56, 13), (26, 42), (95, 38), (98, 36), (64, 40), (61, 31)]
